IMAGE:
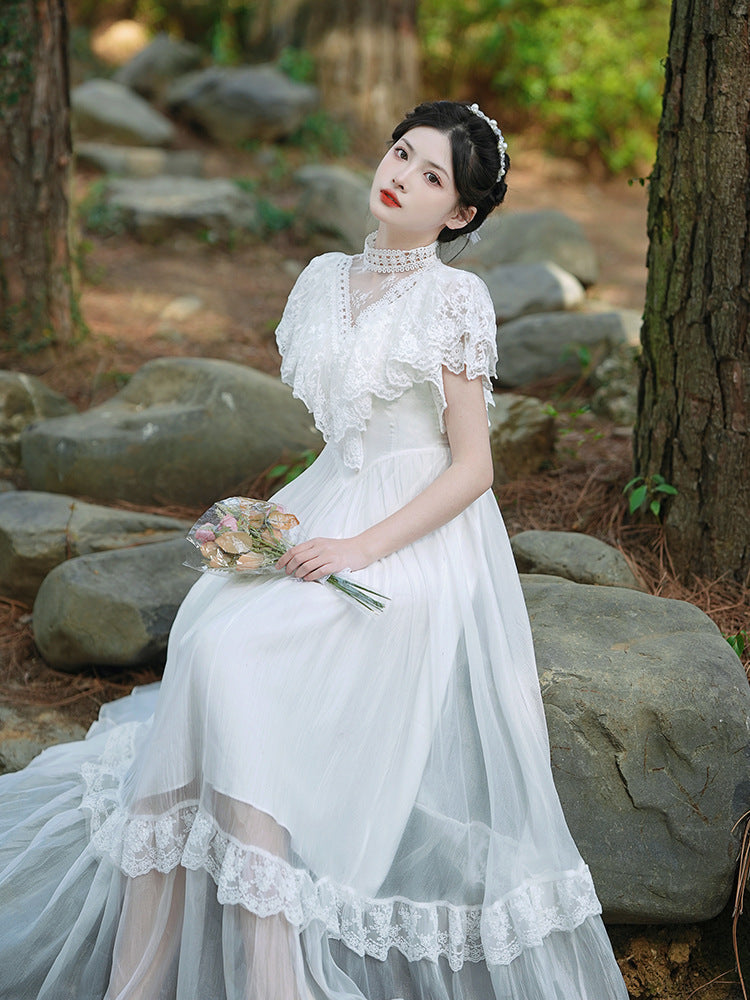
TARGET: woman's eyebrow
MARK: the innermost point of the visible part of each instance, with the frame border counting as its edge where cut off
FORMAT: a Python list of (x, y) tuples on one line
[(430, 163)]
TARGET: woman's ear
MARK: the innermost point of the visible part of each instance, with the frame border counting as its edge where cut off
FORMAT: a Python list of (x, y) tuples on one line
[(461, 217)]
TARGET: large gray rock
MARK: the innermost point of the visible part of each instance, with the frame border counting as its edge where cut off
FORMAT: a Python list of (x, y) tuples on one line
[(534, 347), (163, 60), (111, 609), (533, 237), (24, 399), (233, 104), (140, 161), (335, 206), (522, 436), (109, 112), (154, 208), (40, 530), (184, 430), (647, 708), (26, 730), (573, 556), (520, 289)]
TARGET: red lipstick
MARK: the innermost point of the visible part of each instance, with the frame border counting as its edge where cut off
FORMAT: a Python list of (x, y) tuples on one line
[(389, 198)]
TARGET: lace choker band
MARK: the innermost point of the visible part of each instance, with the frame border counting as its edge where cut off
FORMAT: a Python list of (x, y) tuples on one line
[(388, 261)]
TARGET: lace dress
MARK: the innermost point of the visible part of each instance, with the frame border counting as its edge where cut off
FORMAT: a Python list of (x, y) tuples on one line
[(321, 802)]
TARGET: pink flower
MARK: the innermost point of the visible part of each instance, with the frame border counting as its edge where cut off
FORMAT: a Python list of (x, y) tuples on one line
[(204, 534), (228, 521)]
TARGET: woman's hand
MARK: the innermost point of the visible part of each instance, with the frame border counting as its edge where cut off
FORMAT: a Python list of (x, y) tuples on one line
[(319, 557)]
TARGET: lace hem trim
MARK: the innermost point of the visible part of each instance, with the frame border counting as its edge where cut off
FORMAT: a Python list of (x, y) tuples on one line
[(265, 884)]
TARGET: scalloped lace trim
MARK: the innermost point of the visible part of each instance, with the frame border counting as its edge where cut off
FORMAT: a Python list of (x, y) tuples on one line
[(265, 884)]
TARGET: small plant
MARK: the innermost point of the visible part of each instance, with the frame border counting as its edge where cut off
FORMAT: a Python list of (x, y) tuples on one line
[(647, 493), (208, 236), (224, 43), (91, 272), (581, 353), (114, 377), (272, 217), (319, 133), (247, 184), (739, 642), (285, 472), (297, 64), (97, 215)]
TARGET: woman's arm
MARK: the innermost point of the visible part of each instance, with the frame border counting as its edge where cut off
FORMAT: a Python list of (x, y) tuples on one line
[(468, 477)]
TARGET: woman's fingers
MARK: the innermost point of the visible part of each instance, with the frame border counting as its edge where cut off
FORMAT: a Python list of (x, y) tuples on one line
[(304, 559), (319, 557)]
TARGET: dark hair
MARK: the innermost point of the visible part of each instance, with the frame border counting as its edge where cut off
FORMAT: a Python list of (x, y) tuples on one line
[(476, 158)]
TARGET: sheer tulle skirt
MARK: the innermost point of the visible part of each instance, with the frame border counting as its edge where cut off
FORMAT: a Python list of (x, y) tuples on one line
[(327, 803)]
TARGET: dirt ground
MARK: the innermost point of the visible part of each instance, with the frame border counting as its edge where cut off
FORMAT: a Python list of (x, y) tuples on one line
[(128, 295)]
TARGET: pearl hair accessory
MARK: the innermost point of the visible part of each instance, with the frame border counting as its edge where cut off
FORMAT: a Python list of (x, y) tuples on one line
[(502, 145)]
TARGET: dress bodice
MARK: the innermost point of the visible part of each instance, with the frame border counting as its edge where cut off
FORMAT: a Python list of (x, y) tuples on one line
[(408, 423)]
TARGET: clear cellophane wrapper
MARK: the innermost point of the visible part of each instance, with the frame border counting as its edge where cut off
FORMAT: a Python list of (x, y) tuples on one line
[(240, 536)]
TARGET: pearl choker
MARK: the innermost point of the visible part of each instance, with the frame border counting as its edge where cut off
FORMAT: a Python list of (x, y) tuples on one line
[(389, 261)]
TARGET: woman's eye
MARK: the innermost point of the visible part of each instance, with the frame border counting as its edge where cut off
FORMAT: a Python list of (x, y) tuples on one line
[(433, 178), (400, 152)]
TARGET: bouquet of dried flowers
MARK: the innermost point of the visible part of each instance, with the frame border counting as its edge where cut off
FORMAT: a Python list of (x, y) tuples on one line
[(242, 535)]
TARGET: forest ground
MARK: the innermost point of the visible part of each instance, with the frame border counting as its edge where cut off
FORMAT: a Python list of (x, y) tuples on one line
[(127, 287)]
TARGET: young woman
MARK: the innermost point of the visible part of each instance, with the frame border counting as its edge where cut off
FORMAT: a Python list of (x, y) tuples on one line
[(329, 804)]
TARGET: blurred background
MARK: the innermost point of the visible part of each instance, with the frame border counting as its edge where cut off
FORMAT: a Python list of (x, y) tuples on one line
[(583, 78)]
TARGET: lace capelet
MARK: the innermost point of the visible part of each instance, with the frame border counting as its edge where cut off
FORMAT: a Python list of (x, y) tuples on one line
[(339, 353)]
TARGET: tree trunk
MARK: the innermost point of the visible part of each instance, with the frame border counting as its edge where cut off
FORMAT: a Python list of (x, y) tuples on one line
[(36, 280), (366, 53), (693, 422)]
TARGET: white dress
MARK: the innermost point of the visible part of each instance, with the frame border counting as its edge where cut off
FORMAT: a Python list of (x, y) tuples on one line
[(327, 803)]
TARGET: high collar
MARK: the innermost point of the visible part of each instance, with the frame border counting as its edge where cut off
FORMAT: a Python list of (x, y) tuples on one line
[(390, 261)]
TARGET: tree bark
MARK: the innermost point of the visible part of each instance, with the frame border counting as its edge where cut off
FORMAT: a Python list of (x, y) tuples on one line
[(693, 422), (36, 275), (366, 53)]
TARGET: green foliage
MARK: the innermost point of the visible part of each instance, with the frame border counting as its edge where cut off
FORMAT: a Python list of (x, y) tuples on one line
[(319, 134), (568, 425), (219, 25), (739, 642), (16, 54), (283, 473), (114, 377), (647, 493), (588, 72), (208, 236), (224, 43), (246, 184), (298, 64), (97, 215), (273, 218), (582, 354)]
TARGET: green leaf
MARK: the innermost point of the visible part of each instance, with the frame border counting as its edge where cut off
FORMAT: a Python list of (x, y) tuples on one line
[(637, 497), (629, 486), (655, 507), (665, 488), (737, 642), (277, 470)]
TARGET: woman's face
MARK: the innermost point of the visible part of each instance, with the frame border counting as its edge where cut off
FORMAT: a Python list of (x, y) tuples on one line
[(413, 194)]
